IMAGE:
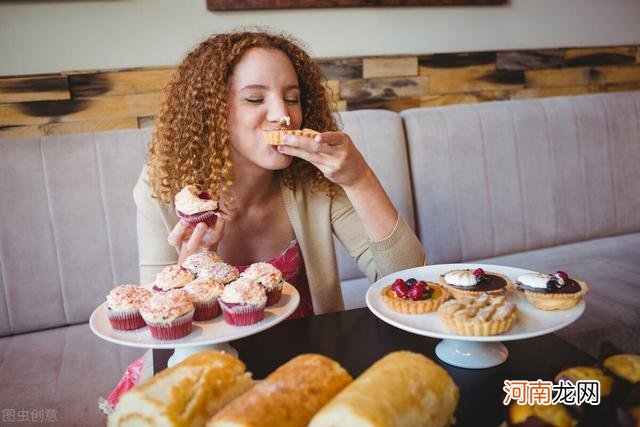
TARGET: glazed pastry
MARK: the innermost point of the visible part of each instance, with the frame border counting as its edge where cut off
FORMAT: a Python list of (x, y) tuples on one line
[(169, 315), (482, 315), (172, 277), (194, 206), (199, 264), (552, 292), (267, 276), (469, 282), (288, 397), (184, 395), (413, 296), (401, 389), (243, 302), (625, 366), (274, 137), (123, 306), (539, 416)]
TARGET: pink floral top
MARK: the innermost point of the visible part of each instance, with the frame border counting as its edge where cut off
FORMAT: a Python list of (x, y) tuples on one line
[(291, 264)]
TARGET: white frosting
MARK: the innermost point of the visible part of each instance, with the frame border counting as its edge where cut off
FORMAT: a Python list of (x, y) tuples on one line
[(165, 307), (198, 263), (220, 271), (127, 298), (285, 120), (204, 290), (244, 291), (172, 277), (265, 274), (535, 280), (188, 202), (461, 278)]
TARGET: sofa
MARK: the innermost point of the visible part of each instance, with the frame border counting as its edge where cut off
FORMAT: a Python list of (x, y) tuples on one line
[(541, 184)]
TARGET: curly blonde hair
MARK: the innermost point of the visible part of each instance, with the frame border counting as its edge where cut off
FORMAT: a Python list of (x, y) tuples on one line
[(190, 144)]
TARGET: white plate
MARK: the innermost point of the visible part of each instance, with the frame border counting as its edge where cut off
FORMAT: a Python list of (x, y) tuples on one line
[(214, 331), (531, 321)]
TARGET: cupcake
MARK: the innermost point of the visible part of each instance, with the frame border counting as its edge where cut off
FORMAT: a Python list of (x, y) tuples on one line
[(226, 273), (172, 277), (195, 206), (413, 296), (123, 306), (551, 292), (481, 315), (269, 277), (204, 294), (169, 315), (198, 263), (476, 282), (243, 302)]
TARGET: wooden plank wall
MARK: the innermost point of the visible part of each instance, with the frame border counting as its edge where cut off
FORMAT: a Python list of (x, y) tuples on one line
[(86, 101)]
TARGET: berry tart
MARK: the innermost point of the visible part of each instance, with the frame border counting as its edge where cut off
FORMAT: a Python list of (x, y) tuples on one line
[(198, 263), (475, 282), (413, 296), (551, 292), (194, 206), (169, 315), (478, 315), (123, 306), (172, 277), (267, 276), (243, 302), (205, 294)]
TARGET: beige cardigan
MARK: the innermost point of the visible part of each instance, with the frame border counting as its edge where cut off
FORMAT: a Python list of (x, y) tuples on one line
[(315, 219)]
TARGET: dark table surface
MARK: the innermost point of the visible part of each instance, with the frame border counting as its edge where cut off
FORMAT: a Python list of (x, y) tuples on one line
[(356, 339)]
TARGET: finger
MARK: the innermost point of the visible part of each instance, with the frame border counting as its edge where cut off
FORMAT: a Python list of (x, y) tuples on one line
[(331, 138), (214, 234), (296, 152), (177, 235), (195, 241), (304, 143)]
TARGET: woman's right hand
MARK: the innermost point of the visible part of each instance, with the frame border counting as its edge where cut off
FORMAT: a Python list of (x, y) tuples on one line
[(202, 238)]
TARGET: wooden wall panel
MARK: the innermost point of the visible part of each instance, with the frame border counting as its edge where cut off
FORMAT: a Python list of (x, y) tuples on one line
[(92, 100)]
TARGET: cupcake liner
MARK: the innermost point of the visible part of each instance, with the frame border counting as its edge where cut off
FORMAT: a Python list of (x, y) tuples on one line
[(179, 328), (206, 310), (273, 296), (208, 217), (126, 321), (242, 315)]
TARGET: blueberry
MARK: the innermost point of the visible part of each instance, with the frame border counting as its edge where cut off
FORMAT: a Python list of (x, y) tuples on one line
[(553, 285), (411, 281)]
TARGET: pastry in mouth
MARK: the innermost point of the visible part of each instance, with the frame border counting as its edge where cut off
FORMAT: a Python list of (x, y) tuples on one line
[(274, 137), (475, 282), (478, 315), (552, 291), (413, 296)]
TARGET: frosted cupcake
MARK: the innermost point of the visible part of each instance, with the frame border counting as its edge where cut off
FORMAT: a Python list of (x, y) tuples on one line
[(199, 263), (205, 294), (169, 315), (172, 277), (243, 302), (123, 306), (226, 273), (195, 206), (267, 276)]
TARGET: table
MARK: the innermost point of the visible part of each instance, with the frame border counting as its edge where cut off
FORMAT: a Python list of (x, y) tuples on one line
[(356, 339)]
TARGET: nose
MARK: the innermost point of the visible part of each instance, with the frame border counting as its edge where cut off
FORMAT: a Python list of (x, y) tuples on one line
[(278, 113)]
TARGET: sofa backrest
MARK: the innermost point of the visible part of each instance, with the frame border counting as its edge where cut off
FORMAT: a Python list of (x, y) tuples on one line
[(501, 177), (68, 233)]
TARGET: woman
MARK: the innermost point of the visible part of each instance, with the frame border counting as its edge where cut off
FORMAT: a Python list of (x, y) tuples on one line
[(284, 202)]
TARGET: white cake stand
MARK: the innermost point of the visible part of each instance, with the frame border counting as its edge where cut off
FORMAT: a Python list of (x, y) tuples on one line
[(468, 351), (214, 334)]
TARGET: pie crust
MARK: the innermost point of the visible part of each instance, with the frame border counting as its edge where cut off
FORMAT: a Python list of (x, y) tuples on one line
[(479, 315), (409, 306), (458, 292), (556, 301), (274, 137)]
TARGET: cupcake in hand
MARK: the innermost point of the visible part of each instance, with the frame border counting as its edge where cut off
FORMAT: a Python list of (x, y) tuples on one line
[(267, 276), (123, 306), (195, 206), (205, 294), (243, 302), (172, 277), (169, 315)]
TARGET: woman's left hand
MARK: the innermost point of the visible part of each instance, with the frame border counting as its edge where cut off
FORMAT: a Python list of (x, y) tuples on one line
[(331, 152)]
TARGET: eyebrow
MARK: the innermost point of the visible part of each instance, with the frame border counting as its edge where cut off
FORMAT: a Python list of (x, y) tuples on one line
[(264, 87)]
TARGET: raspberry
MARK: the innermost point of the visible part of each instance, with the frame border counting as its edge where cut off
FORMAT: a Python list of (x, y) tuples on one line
[(416, 293), (478, 272), (400, 288)]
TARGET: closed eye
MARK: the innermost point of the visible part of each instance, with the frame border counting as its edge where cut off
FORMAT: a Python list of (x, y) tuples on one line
[(253, 100)]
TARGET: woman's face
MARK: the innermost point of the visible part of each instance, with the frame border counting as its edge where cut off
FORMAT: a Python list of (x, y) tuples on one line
[(263, 89)]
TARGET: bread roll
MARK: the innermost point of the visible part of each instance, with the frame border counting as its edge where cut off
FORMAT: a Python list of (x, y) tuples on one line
[(401, 389), (186, 394), (288, 397)]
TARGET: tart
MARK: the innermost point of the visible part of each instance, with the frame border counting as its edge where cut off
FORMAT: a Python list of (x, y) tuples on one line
[(481, 315), (552, 292), (194, 206), (412, 296), (475, 282), (274, 137)]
